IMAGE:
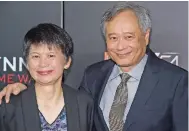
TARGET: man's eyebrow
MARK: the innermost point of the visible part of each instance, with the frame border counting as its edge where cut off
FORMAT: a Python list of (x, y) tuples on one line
[(111, 34)]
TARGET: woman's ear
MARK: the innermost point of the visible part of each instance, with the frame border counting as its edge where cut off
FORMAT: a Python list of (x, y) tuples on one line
[(27, 66), (68, 63)]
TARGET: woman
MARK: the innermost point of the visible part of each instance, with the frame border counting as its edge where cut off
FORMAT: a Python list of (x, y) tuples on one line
[(48, 104)]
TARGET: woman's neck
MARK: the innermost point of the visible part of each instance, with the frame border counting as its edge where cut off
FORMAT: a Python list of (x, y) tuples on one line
[(50, 100), (50, 94)]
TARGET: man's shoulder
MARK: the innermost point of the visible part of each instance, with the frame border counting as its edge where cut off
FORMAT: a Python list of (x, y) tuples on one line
[(164, 66), (171, 68), (105, 64), (82, 95)]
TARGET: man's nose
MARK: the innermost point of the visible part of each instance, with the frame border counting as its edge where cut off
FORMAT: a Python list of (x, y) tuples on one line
[(121, 44)]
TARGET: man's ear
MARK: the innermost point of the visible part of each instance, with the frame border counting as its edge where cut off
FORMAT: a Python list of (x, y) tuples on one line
[(106, 56), (147, 36)]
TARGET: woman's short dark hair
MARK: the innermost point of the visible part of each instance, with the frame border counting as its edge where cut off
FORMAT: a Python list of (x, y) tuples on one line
[(50, 34)]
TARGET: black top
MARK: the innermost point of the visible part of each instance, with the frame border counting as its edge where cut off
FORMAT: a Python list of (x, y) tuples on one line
[(22, 113)]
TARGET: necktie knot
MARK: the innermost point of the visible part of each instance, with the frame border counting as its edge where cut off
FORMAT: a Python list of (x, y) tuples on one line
[(125, 77)]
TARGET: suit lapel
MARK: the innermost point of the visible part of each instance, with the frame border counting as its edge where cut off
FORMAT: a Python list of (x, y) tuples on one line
[(106, 72), (71, 105), (147, 83), (102, 81), (30, 110)]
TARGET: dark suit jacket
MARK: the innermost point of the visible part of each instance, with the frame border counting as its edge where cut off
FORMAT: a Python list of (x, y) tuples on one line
[(160, 103), (21, 114)]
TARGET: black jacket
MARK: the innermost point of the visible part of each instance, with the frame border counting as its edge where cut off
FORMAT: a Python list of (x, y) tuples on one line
[(161, 100), (22, 114)]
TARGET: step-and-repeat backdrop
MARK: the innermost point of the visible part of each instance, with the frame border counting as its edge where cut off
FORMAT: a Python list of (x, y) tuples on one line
[(169, 38), (16, 18)]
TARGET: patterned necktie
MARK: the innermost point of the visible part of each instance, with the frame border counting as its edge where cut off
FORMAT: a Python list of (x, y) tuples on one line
[(119, 104)]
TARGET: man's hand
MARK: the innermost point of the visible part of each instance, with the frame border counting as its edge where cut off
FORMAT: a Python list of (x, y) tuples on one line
[(14, 88)]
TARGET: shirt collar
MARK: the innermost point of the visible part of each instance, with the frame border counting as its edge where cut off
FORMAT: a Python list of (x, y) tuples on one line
[(135, 72)]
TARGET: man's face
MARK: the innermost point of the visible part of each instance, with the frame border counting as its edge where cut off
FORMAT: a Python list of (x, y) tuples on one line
[(126, 43)]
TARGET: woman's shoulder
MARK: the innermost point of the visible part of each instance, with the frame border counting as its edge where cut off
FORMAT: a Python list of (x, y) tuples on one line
[(8, 109), (16, 100)]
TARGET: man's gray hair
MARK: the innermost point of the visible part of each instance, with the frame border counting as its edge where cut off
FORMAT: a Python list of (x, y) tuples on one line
[(142, 14)]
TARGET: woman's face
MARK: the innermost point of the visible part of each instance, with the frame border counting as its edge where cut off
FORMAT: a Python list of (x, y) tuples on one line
[(46, 65)]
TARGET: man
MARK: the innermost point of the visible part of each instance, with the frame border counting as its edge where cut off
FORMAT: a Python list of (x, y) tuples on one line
[(134, 90)]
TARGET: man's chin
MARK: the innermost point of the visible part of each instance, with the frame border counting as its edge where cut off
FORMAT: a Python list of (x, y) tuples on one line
[(125, 66)]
